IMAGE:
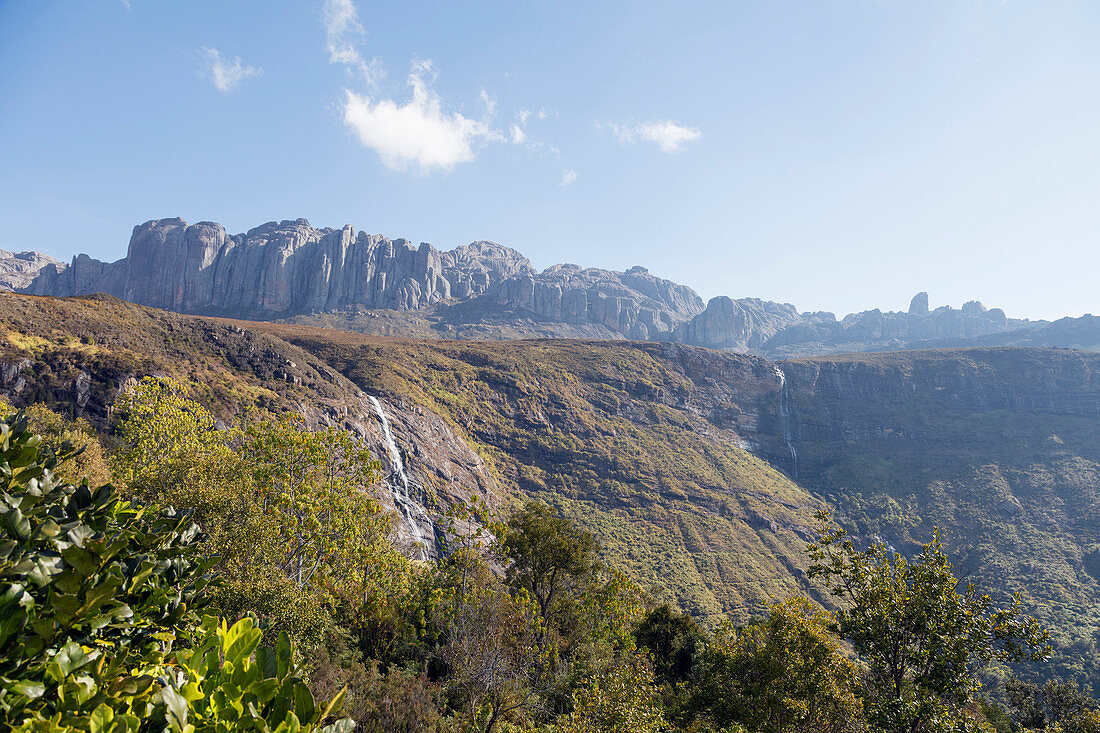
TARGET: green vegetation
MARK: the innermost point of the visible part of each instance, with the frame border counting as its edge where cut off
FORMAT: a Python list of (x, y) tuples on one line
[(104, 599), (99, 616), (638, 444)]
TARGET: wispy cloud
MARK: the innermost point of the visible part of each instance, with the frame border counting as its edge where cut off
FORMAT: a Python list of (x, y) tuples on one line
[(417, 134), (343, 33), (567, 177), (667, 135), (490, 103), (226, 75)]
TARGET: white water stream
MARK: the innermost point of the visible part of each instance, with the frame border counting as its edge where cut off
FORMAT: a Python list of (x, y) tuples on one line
[(786, 418), (412, 512)]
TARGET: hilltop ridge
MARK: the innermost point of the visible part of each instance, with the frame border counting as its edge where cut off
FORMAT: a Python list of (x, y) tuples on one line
[(291, 271)]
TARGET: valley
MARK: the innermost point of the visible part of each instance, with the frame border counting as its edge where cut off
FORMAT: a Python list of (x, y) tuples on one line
[(698, 470)]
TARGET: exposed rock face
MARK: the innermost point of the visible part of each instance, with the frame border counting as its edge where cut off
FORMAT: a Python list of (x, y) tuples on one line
[(738, 325), (918, 306), (483, 290), (633, 303), (474, 268), (873, 399), (874, 330), (280, 269), (18, 269)]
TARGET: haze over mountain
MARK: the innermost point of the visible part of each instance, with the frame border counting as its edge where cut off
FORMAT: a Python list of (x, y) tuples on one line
[(290, 270)]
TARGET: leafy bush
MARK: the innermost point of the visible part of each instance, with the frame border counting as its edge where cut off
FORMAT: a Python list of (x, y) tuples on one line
[(97, 593)]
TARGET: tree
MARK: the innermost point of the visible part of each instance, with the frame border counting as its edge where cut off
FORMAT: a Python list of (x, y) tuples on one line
[(547, 556), (1058, 705), (315, 487), (921, 634), (783, 674), (288, 511), (490, 644), (622, 697), (673, 639)]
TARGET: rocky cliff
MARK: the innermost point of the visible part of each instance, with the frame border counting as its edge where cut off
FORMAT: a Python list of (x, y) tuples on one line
[(280, 269), (18, 269), (356, 281)]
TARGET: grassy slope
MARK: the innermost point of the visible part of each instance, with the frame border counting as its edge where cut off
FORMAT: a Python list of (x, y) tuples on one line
[(54, 341), (677, 504), (928, 438), (674, 499)]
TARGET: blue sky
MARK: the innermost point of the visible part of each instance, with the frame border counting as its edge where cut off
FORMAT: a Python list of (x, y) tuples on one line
[(836, 155)]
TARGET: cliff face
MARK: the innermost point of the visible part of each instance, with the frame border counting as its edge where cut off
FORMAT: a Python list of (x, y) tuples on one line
[(280, 269), (355, 281), (18, 269)]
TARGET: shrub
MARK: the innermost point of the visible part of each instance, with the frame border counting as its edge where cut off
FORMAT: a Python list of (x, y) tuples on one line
[(95, 594)]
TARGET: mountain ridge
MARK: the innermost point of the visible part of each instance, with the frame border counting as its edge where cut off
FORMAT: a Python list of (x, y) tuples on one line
[(292, 271)]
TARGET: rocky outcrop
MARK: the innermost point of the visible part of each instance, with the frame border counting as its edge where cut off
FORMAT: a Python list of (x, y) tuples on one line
[(875, 330), (481, 291), (280, 269), (918, 306), (633, 303), (738, 325), (18, 269)]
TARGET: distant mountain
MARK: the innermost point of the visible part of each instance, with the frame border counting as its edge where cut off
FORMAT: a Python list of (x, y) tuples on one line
[(290, 271), (18, 269)]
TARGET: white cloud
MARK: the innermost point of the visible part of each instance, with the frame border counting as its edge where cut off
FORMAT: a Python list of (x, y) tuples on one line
[(668, 136), (417, 133), (490, 103), (567, 177), (518, 135), (342, 32), (225, 75)]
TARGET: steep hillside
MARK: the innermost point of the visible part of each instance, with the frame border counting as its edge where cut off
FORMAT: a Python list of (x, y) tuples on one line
[(700, 470), (1000, 447), (643, 443), (76, 354), (621, 436)]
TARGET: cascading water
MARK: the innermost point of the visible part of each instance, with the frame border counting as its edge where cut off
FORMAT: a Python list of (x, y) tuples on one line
[(410, 509), (787, 419)]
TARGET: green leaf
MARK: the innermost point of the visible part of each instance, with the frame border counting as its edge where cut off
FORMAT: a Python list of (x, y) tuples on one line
[(344, 725), (303, 703), (335, 703), (100, 719), (177, 708), (29, 688), (284, 655), (241, 640), (81, 559)]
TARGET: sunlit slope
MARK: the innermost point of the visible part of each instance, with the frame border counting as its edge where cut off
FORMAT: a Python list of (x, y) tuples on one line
[(621, 437)]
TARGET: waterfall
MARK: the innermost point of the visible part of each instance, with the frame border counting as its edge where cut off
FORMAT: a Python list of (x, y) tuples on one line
[(787, 419), (410, 510)]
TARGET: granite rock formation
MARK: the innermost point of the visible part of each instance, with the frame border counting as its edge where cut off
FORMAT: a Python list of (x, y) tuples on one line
[(18, 269), (279, 269), (357, 281)]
